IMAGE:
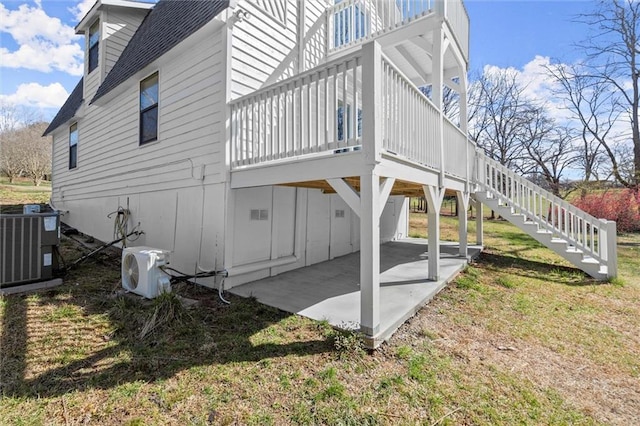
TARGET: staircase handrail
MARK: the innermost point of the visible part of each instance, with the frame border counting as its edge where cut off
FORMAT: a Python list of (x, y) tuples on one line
[(595, 237)]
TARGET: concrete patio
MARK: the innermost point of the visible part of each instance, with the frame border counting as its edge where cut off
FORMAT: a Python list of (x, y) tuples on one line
[(330, 290)]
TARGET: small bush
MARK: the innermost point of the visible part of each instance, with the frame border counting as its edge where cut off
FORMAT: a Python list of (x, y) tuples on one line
[(622, 206), (349, 344)]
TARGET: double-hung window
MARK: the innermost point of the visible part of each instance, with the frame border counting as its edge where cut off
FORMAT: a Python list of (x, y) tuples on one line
[(149, 109), (94, 43), (73, 146)]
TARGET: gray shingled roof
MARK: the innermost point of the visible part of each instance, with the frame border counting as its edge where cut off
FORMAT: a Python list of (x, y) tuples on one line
[(168, 23), (68, 110)]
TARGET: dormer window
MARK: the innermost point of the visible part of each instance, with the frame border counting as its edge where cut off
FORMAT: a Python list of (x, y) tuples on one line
[(94, 42)]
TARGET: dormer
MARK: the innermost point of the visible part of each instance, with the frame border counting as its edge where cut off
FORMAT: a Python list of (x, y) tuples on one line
[(107, 28)]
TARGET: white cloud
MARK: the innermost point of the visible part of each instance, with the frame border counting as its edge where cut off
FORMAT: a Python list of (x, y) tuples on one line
[(44, 42), (538, 85), (36, 95), (81, 9)]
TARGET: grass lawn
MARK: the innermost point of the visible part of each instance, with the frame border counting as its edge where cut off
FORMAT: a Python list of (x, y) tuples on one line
[(22, 191), (519, 338)]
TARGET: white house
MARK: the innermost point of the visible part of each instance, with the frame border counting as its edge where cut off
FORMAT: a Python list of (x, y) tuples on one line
[(260, 136)]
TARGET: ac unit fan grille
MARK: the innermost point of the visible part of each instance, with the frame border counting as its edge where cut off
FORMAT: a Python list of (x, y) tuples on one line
[(132, 274)]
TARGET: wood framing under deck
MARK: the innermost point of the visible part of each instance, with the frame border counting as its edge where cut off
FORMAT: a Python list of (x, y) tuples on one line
[(400, 187)]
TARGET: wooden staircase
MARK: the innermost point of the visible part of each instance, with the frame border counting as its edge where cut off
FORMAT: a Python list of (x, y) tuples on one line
[(583, 240)]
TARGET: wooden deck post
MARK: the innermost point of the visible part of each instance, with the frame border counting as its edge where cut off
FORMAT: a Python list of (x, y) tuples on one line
[(370, 191), (463, 206), (434, 198), (611, 247), (437, 92), (370, 254), (479, 224)]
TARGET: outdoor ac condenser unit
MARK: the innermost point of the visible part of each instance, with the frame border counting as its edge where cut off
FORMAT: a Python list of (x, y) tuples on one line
[(141, 273)]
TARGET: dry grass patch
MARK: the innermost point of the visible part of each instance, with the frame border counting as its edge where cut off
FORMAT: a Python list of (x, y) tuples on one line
[(22, 191), (523, 310)]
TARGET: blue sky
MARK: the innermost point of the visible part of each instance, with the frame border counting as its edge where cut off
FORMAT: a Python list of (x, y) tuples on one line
[(510, 33), (41, 57)]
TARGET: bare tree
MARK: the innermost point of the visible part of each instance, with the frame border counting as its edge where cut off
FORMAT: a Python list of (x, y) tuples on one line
[(450, 101), (10, 156), (37, 152), (614, 60), (14, 116), (594, 111), (501, 117), (552, 152), (24, 151)]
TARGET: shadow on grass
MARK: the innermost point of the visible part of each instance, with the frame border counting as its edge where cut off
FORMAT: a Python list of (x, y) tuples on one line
[(208, 334), (534, 269)]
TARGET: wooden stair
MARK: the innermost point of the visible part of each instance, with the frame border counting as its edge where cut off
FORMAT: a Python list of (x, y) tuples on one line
[(583, 240)]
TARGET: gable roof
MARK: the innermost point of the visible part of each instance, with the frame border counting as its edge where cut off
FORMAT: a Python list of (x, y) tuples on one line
[(168, 23), (68, 110), (91, 13)]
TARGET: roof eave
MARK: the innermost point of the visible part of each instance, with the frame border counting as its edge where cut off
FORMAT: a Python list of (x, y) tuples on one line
[(89, 17)]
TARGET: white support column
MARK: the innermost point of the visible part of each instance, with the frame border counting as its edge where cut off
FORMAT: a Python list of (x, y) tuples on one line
[(463, 206), (302, 6), (370, 190), (479, 224), (439, 49), (434, 198), (370, 254), (441, 7), (372, 101)]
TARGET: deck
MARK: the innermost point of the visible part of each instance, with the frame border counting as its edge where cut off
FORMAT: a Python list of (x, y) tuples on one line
[(366, 123), (330, 290)]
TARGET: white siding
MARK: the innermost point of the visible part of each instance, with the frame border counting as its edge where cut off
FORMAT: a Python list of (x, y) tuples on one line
[(394, 219), (302, 218), (315, 33), (120, 25), (174, 187), (263, 50)]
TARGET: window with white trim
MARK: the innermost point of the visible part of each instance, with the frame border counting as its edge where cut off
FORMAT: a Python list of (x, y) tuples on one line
[(149, 109), (94, 45), (73, 146)]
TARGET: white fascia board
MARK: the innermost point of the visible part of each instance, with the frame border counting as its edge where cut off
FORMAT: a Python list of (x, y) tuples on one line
[(89, 17)]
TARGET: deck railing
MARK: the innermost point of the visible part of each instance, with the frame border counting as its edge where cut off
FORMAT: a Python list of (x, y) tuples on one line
[(594, 237), (321, 112), (411, 122), (455, 146), (354, 21), (350, 22), (458, 18), (317, 111)]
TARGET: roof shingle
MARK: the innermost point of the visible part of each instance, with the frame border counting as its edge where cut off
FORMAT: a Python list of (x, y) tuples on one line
[(68, 110), (168, 23)]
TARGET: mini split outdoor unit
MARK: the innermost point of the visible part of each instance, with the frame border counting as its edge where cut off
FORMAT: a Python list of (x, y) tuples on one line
[(141, 273)]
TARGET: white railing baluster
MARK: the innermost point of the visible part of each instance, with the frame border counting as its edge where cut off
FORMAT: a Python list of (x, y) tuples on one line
[(594, 237)]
